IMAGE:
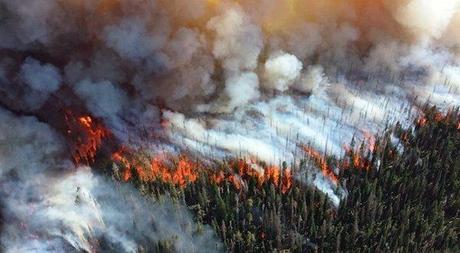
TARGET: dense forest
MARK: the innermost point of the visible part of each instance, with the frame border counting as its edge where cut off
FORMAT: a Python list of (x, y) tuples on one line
[(402, 195)]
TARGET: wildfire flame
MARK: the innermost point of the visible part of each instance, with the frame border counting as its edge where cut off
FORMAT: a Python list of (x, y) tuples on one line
[(370, 140), (271, 174), (356, 158), (184, 171), (321, 162), (120, 158), (178, 173), (438, 117), (421, 121), (86, 135)]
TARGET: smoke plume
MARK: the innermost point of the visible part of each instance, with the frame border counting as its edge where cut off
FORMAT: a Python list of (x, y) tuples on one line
[(48, 205), (211, 78)]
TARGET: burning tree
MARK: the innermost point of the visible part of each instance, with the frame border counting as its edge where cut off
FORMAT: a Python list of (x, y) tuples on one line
[(399, 199)]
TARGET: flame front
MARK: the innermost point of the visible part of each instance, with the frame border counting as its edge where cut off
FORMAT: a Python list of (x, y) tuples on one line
[(270, 174), (86, 137), (181, 171), (321, 162)]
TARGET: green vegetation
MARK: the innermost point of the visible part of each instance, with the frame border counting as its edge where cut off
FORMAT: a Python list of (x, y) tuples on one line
[(404, 196)]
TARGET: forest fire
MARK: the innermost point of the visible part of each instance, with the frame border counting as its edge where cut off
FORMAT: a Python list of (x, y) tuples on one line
[(86, 137), (370, 140), (119, 157), (429, 117), (179, 126), (355, 158), (321, 162), (272, 174), (181, 171), (421, 121)]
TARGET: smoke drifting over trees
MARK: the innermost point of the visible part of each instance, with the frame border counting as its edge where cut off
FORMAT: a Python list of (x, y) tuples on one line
[(210, 78)]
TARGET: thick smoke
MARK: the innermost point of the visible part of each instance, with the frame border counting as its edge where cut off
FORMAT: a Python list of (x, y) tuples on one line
[(281, 71), (41, 80), (215, 78), (48, 205)]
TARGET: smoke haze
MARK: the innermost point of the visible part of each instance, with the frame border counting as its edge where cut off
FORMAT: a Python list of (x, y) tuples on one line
[(211, 78), (48, 205)]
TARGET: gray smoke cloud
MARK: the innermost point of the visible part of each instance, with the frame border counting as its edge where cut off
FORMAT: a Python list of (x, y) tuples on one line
[(218, 78), (48, 205), (40, 80)]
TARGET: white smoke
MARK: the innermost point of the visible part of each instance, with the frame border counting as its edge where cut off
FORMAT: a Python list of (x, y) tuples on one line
[(218, 78), (239, 91), (311, 80), (50, 206), (427, 19), (237, 45), (238, 42), (281, 71)]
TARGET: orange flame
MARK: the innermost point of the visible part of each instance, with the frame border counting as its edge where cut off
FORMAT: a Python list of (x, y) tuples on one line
[(421, 121), (287, 180), (272, 174), (356, 158), (179, 173), (360, 162), (236, 181), (370, 139), (86, 135), (321, 162), (119, 158), (184, 171), (440, 117), (218, 178), (246, 168)]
